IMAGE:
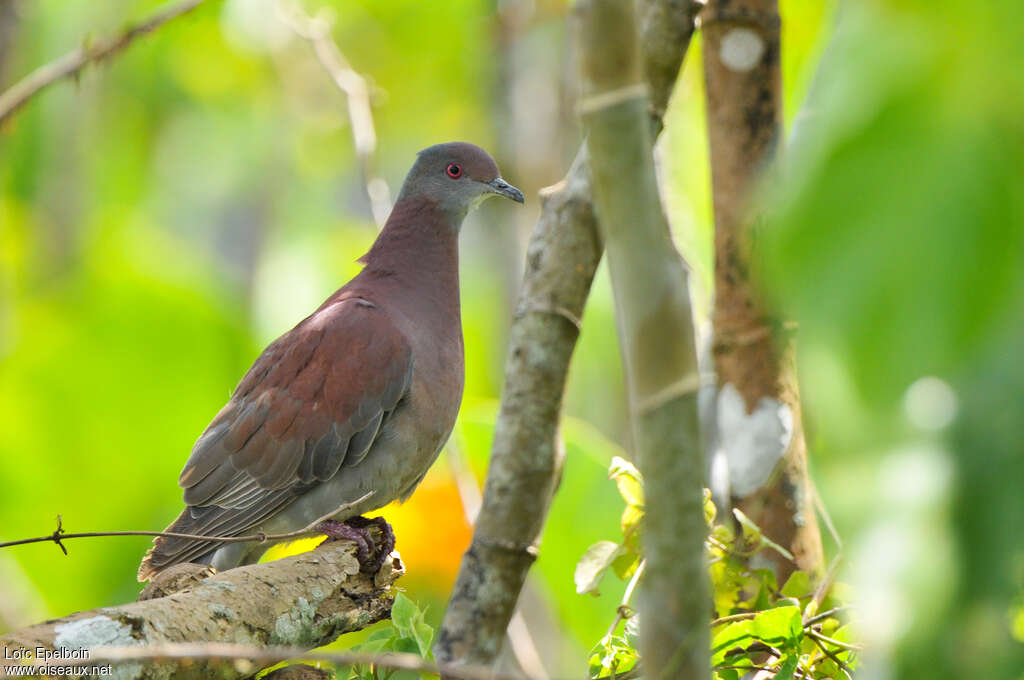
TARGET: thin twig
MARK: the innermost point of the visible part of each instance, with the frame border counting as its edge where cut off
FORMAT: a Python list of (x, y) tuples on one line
[(749, 615), (623, 608), (848, 646), (271, 655), (823, 587), (317, 31), (819, 504), (90, 52), (826, 614), (733, 617), (58, 534), (847, 671), (746, 668)]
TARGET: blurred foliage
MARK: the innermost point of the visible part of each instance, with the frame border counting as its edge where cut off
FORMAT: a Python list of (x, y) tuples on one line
[(896, 239), (166, 216), (795, 629)]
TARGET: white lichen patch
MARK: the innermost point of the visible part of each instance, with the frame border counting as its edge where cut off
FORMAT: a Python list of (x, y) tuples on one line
[(753, 443), (295, 627), (741, 49), (98, 631)]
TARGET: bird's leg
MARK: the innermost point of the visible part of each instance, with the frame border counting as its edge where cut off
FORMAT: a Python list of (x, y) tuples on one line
[(344, 531), (387, 536)]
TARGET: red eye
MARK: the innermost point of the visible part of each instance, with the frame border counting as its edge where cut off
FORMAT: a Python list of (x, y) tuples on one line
[(454, 170)]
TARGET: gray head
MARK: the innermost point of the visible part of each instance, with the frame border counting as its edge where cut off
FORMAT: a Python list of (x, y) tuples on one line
[(459, 176)]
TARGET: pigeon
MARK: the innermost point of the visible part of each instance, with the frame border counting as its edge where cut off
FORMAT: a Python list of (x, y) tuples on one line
[(347, 411)]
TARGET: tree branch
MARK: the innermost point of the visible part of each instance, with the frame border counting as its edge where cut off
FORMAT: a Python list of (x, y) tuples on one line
[(301, 602), (753, 352), (526, 456), (90, 52)]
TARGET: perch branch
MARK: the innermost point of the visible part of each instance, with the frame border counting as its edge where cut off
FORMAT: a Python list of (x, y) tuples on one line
[(526, 455), (303, 601), (72, 63), (317, 31)]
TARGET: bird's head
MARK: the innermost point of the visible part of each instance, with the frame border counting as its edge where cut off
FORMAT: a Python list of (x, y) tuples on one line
[(458, 176)]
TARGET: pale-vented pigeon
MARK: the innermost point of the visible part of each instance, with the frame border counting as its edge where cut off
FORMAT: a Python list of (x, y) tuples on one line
[(357, 399)]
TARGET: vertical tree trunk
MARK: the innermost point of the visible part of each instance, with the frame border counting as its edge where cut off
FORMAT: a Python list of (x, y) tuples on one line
[(526, 455), (655, 324), (753, 351)]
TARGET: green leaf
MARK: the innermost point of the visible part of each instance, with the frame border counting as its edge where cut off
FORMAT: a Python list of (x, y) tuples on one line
[(710, 511), (787, 667), (752, 533), (407, 645), (736, 634), (779, 627), (632, 630), (797, 585), (620, 466), (843, 634), (424, 635), (612, 655), (629, 481), (625, 564), (727, 581), (379, 644), (631, 518), (762, 583), (403, 611), (591, 567)]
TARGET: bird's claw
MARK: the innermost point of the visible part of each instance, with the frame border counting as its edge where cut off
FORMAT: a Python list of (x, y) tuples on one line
[(356, 529)]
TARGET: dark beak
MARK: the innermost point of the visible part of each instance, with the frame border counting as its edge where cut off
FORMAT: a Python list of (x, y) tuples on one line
[(503, 188)]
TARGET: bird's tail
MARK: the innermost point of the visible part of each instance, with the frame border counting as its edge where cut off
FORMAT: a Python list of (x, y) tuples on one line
[(167, 550), (213, 521)]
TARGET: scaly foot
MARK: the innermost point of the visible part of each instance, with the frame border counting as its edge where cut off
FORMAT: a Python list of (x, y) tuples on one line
[(356, 529), (387, 538)]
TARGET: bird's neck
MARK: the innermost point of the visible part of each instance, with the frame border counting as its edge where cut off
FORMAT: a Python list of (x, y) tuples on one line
[(418, 248)]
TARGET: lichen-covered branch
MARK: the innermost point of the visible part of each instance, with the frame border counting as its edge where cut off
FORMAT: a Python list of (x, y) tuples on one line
[(72, 63), (656, 335), (753, 352), (526, 456), (303, 601)]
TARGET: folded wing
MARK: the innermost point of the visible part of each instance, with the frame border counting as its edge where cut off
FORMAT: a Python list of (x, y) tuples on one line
[(315, 400)]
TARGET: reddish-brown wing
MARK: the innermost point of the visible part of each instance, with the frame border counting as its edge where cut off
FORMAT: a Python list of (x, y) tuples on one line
[(315, 399)]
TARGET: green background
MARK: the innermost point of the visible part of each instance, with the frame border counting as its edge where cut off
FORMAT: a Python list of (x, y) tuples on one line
[(173, 211)]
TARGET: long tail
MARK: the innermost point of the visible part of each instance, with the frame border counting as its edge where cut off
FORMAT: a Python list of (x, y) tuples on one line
[(168, 551), (210, 520)]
